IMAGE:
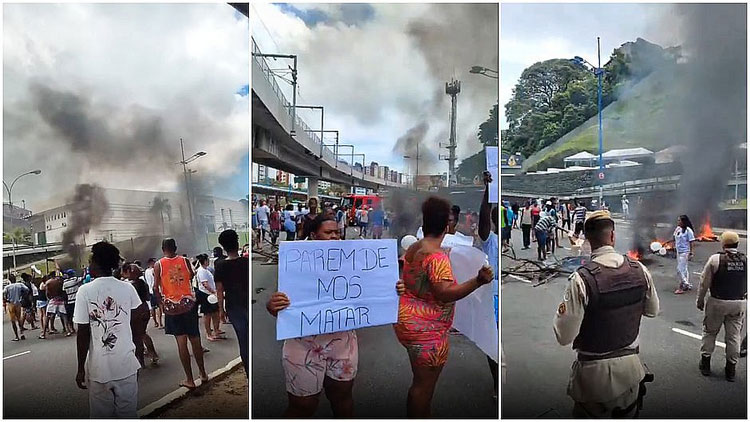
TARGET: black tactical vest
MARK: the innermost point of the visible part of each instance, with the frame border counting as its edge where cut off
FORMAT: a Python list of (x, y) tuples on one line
[(730, 280), (616, 300)]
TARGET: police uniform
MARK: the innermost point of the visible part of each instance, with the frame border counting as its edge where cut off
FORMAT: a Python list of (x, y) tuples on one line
[(600, 314), (725, 278)]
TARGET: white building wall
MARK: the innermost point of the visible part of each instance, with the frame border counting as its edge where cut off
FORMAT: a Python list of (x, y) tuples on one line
[(129, 215)]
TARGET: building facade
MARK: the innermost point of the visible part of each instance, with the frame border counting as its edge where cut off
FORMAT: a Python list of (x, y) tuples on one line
[(127, 214)]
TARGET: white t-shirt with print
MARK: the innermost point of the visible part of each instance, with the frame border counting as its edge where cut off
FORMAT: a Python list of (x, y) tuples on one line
[(205, 275), (106, 304)]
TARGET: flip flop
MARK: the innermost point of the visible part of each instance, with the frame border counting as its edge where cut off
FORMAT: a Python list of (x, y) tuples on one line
[(42, 337), (189, 387), (15, 339), (68, 334)]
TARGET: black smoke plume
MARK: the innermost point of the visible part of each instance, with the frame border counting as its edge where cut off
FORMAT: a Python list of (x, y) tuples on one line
[(89, 206)]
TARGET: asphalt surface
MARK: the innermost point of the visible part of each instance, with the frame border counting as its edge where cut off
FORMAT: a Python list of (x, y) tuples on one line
[(464, 389), (538, 367), (41, 384)]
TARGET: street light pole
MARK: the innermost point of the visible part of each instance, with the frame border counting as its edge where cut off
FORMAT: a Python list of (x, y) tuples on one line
[(417, 175), (185, 172), (599, 106), (598, 72), (481, 70), (187, 186), (9, 189)]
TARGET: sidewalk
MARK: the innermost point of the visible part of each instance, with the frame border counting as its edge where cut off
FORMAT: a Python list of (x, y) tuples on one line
[(225, 397)]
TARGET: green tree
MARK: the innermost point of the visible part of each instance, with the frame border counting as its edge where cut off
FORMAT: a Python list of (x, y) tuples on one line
[(159, 208), (471, 166), (488, 129), (19, 236)]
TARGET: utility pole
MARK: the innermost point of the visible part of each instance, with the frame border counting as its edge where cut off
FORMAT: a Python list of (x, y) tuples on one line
[(187, 186), (293, 69), (452, 88)]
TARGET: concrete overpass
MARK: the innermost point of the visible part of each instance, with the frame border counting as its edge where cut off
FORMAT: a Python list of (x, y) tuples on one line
[(302, 154)]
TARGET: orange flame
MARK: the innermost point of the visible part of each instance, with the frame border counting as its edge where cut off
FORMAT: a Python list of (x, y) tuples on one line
[(634, 255), (706, 234)]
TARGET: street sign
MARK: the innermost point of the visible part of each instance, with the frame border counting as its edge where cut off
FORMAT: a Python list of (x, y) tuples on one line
[(601, 175), (299, 179)]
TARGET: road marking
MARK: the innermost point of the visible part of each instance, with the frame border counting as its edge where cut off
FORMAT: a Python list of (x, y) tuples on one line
[(696, 336), (17, 354)]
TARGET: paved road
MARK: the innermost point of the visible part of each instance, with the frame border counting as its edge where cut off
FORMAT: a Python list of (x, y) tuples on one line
[(463, 391), (41, 384), (538, 367)]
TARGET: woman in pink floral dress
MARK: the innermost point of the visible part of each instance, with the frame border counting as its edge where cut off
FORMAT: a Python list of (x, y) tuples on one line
[(426, 308)]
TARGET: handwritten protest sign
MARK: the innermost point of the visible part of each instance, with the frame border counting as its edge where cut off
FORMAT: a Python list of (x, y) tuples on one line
[(475, 314), (337, 285), (458, 239), (492, 159)]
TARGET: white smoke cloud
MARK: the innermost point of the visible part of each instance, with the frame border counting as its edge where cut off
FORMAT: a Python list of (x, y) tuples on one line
[(380, 69)]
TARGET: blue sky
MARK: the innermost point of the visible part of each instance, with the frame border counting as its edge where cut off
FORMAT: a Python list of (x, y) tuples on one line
[(237, 185)]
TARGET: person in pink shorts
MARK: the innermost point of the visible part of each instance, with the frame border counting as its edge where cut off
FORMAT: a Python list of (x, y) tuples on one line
[(319, 362)]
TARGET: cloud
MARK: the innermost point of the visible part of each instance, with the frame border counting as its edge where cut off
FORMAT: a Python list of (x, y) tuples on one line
[(103, 93), (381, 69)]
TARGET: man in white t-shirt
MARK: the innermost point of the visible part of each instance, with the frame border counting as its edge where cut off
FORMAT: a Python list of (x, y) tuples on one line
[(155, 303), (210, 311), (263, 212), (104, 310)]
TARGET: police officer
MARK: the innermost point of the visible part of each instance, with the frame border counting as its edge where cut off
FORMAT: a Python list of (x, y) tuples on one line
[(725, 277), (601, 315)]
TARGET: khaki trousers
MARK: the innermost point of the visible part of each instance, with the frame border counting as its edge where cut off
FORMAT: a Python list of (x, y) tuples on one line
[(730, 314)]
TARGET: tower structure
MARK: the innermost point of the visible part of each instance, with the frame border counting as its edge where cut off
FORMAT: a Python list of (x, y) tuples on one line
[(452, 88)]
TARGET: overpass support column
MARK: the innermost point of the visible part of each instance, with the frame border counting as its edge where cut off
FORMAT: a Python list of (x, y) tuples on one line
[(312, 187)]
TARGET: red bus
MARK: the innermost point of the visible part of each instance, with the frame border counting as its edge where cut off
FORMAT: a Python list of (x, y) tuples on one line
[(355, 202)]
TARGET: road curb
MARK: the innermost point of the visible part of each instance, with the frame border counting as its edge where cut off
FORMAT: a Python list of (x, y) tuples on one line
[(160, 404)]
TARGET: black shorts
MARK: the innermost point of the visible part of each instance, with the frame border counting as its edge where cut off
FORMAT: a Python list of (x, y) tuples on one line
[(205, 306), (183, 324), (578, 227), (505, 233), (154, 301)]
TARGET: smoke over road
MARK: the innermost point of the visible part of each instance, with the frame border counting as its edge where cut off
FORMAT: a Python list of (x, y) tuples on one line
[(708, 111)]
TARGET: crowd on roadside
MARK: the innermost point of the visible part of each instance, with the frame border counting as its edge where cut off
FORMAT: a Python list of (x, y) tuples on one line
[(428, 291), (110, 304), (269, 222)]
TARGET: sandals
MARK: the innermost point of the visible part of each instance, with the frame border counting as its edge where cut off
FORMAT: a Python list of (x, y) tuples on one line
[(42, 337), (189, 387), (68, 334)]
